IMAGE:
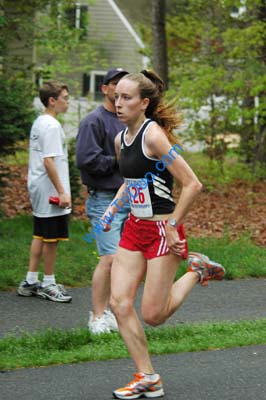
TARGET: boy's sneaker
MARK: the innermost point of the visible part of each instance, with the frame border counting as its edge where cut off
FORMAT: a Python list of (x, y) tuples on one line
[(98, 325), (54, 293), (111, 320), (26, 289), (206, 268), (140, 386)]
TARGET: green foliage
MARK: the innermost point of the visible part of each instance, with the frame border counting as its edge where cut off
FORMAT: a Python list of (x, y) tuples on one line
[(21, 156), (16, 113), (62, 49), (16, 116), (214, 173), (218, 65)]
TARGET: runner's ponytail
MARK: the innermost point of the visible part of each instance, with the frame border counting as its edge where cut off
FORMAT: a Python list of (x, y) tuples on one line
[(151, 86)]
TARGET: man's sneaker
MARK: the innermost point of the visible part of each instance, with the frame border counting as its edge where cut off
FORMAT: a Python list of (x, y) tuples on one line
[(62, 288), (54, 293), (26, 289), (98, 325), (206, 268), (111, 320), (140, 386)]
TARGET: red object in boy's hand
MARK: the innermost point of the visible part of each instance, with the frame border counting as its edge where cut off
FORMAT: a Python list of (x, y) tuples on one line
[(54, 200)]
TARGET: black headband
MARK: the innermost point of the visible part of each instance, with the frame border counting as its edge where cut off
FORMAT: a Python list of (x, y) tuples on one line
[(145, 73)]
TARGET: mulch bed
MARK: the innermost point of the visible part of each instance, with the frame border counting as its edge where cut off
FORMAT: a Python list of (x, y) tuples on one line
[(233, 209)]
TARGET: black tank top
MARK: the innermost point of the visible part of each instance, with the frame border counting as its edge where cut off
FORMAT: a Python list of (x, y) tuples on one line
[(150, 188)]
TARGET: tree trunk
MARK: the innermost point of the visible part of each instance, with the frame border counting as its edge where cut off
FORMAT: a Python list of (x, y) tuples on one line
[(248, 131), (260, 146), (159, 43)]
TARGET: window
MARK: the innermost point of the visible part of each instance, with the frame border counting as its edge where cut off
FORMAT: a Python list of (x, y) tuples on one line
[(85, 85), (97, 87), (77, 17), (92, 85)]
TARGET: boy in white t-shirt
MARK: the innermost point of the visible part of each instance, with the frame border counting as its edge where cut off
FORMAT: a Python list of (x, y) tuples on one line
[(48, 175)]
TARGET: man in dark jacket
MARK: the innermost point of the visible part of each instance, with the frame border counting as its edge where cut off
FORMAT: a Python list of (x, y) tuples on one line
[(95, 154)]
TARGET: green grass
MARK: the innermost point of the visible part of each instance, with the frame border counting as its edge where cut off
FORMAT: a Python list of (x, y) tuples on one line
[(75, 262), (58, 347), (77, 259), (241, 258), (213, 172)]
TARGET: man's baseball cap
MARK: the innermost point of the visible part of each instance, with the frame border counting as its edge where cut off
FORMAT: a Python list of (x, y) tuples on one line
[(113, 73)]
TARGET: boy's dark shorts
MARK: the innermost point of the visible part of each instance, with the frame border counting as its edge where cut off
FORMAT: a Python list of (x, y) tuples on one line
[(51, 229)]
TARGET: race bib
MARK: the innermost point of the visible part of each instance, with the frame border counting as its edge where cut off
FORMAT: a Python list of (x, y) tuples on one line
[(139, 197)]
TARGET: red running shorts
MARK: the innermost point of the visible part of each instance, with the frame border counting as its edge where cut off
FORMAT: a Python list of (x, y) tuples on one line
[(148, 237)]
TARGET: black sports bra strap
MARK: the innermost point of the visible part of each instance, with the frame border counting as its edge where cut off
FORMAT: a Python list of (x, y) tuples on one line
[(146, 123), (122, 136), (144, 126)]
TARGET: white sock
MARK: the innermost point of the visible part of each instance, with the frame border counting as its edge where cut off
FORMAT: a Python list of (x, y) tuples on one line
[(152, 377), (48, 280), (32, 277)]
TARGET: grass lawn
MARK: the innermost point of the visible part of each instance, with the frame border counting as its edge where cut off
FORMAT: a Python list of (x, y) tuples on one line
[(76, 259), (59, 347)]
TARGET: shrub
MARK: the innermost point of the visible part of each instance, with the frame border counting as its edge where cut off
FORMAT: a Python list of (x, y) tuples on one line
[(17, 113)]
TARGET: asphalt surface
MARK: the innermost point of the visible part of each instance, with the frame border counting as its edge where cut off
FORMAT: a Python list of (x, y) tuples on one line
[(231, 374)]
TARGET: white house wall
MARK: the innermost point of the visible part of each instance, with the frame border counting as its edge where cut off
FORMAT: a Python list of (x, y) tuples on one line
[(121, 43)]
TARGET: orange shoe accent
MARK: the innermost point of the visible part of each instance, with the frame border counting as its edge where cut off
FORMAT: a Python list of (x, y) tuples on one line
[(140, 386), (206, 268)]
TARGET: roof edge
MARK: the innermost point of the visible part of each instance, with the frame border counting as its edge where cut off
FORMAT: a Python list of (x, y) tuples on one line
[(126, 23)]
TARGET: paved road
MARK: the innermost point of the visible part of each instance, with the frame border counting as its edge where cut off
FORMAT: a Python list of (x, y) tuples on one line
[(232, 374), (226, 300)]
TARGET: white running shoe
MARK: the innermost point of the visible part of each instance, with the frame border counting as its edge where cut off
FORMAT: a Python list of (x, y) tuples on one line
[(54, 292), (111, 321), (98, 325), (26, 289)]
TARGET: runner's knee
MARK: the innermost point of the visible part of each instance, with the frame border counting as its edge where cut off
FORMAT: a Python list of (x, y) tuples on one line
[(153, 316), (121, 308)]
